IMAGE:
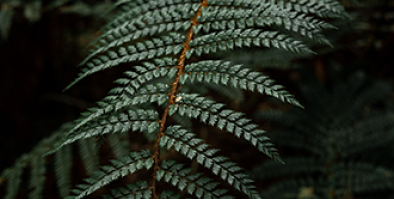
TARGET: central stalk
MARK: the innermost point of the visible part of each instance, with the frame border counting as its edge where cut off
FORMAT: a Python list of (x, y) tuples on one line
[(174, 90)]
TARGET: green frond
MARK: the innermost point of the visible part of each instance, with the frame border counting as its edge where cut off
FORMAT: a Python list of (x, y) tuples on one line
[(172, 41), (222, 18), (228, 39), (35, 165), (89, 154), (210, 112), (37, 177), (119, 168), (139, 190), (63, 165), (325, 8), (120, 122), (238, 76), (13, 177), (156, 20), (148, 94), (193, 183), (193, 148), (170, 10), (165, 45), (133, 90)]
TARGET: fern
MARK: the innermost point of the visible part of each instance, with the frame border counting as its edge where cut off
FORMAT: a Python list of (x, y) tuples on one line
[(341, 141), (168, 45)]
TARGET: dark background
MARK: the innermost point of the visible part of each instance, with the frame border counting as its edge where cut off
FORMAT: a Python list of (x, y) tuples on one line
[(37, 61)]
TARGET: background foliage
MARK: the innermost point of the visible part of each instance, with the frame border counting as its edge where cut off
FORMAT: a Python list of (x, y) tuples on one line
[(51, 36)]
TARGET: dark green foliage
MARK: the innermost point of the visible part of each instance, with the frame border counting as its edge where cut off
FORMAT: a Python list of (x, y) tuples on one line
[(346, 139), (137, 190), (169, 47), (194, 184)]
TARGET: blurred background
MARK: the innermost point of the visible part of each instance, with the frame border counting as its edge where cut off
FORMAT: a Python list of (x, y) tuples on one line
[(42, 42)]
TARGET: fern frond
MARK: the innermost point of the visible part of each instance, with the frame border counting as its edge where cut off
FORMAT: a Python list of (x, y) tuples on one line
[(326, 8), (193, 148), (138, 190), (148, 94), (89, 154), (136, 120), (168, 36), (221, 18), (168, 44), (225, 73), (156, 20), (37, 177), (13, 177), (63, 165), (210, 112), (119, 168), (228, 39), (195, 184)]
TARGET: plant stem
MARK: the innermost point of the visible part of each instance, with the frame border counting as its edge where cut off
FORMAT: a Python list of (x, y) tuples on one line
[(174, 90)]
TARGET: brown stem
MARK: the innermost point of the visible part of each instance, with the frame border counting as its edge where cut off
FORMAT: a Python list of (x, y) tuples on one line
[(174, 90)]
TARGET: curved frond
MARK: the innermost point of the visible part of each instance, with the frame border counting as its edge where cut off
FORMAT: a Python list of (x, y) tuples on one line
[(238, 76), (119, 168), (139, 189), (13, 177), (212, 113), (89, 154), (193, 148), (149, 94), (120, 122), (37, 177), (228, 39), (170, 44), (193, 183), (63, 165)]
